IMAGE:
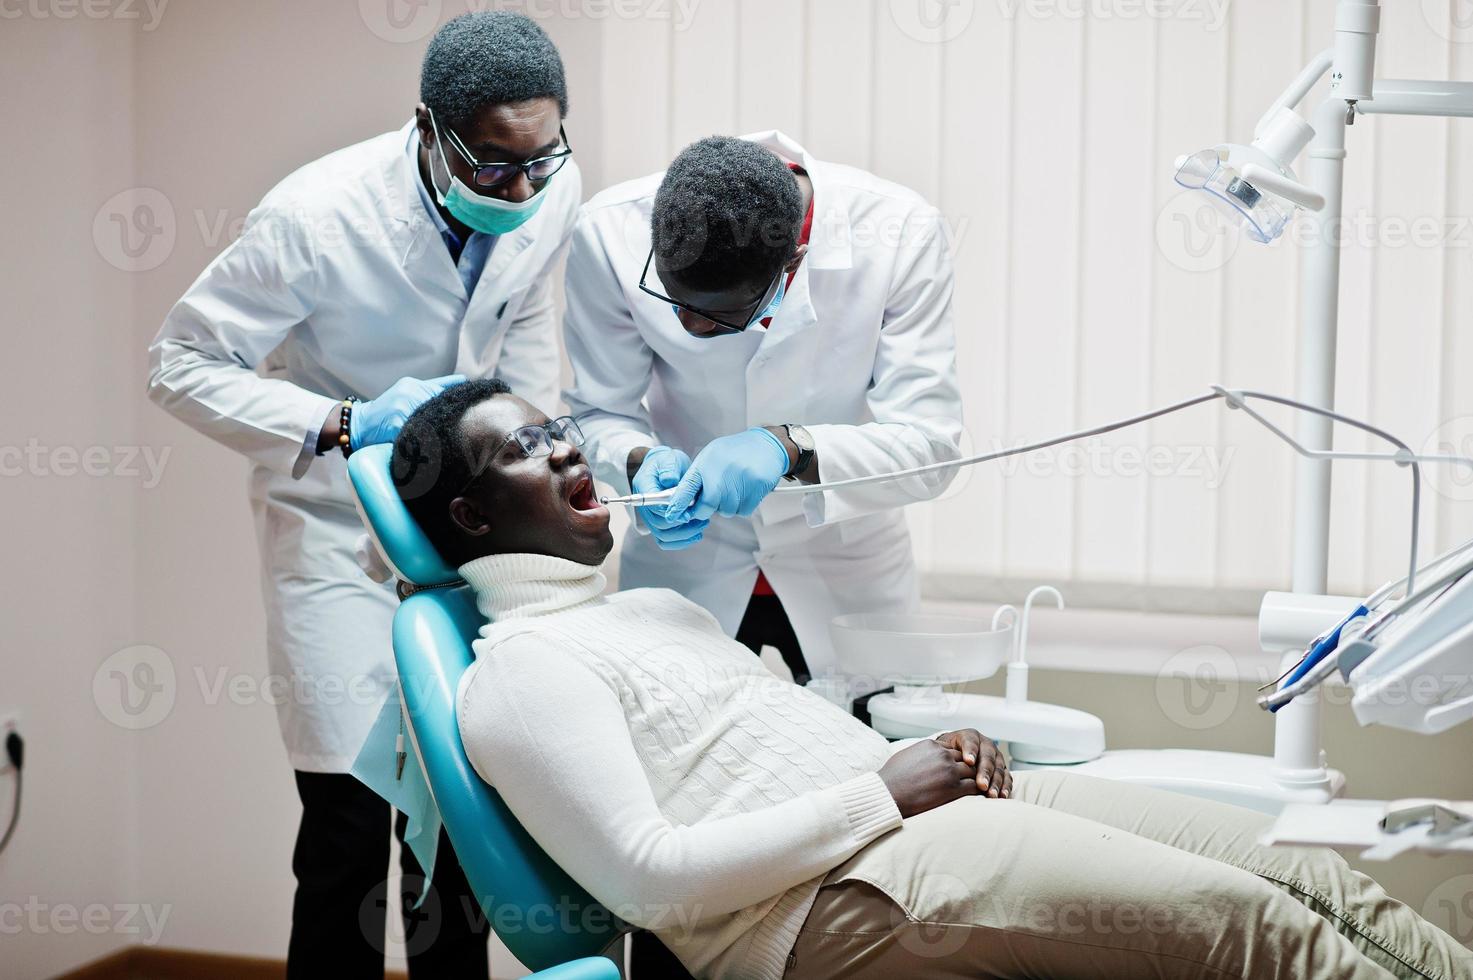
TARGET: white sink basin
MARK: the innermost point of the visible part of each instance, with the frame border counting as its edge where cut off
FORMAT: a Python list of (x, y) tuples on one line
[(918, 649)]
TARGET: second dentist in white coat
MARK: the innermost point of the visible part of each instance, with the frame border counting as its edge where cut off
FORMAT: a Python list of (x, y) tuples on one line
[(385, 270), (753, 314)]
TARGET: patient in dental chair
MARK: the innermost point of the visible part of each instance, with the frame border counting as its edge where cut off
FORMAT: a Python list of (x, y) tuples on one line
[(759, 831)]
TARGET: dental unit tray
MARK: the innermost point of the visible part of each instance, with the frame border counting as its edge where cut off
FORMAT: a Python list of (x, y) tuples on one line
[(1376, 830), (1404, 654), (1410, 668)]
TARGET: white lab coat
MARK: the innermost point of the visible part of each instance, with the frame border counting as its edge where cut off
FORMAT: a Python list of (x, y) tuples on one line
[(340, 284), (861, 352)]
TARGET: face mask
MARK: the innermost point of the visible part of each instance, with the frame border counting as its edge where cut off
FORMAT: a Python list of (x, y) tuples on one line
[(488, 215), (777, 300), (769, 310)]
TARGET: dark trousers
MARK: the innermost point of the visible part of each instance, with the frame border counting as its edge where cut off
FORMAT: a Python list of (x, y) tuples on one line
[(341, 908), (765, 623)]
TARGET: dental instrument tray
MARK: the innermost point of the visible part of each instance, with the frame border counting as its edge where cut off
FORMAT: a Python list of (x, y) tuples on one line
[(1412, 669)]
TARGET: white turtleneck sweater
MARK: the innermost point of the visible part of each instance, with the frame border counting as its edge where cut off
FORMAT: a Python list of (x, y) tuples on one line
[(659, 763)]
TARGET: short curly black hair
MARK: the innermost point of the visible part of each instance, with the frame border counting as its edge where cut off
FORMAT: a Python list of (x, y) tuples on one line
[(728, 212), (488, 57), (432, 461)]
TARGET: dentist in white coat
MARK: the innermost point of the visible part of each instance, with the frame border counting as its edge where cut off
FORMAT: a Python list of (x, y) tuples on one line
[(754, 315), (381, 272)]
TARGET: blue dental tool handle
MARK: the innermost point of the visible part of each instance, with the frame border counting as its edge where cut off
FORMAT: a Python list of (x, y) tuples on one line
[(1321, 649)]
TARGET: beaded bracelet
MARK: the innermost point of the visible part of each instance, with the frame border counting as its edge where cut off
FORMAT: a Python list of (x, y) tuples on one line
[(345, 427)]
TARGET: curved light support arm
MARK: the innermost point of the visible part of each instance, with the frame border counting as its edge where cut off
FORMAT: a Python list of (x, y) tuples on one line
[(1236, 398), (1298, 88), (1402, 457)]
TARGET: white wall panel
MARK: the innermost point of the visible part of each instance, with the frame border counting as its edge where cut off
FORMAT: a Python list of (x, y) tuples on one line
[(771, 39), (1044, 324), (976, 198)]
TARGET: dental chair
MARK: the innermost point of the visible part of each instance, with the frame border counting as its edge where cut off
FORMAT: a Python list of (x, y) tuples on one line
[(547, 920)]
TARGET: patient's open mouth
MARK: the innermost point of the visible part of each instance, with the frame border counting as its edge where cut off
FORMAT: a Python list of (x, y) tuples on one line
[(582, 497)]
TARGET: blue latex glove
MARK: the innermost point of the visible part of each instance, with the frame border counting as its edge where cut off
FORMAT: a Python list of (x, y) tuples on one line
[(730, 476), (662, 469), (380, 419)]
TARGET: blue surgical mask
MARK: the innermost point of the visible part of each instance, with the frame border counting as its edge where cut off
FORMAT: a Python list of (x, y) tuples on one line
[(488, 215), (777, 300)]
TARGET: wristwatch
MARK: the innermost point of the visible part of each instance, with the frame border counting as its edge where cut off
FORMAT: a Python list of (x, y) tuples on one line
[(804, 442)]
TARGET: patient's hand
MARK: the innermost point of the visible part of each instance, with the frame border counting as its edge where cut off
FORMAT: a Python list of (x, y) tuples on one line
[(927, 774), (993, 777)]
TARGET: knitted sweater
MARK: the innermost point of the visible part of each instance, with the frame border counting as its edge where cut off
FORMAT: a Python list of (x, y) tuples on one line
[(659, 763)]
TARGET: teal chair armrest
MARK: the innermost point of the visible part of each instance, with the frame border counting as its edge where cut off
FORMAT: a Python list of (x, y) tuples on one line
[(589, 968)]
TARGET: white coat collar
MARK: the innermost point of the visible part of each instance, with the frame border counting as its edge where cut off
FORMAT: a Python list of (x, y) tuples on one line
[(828, 244)]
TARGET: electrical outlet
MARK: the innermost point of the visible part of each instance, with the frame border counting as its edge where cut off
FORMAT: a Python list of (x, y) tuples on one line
[(8, 723)]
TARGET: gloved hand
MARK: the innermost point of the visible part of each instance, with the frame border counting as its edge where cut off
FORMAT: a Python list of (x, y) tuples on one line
[(730, 476), (380, 419), (662, 469)]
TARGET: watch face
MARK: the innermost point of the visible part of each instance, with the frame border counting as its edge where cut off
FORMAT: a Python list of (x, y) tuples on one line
[(800, 437)]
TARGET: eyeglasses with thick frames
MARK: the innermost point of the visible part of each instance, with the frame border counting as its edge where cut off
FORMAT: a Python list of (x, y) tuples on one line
[(533, 441), (496, 174), (723, 324)]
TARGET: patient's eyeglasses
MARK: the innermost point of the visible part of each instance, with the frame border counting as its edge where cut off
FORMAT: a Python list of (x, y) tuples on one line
[(533, 441)]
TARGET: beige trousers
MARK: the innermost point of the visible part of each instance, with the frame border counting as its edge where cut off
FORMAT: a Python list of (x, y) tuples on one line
[(1082, 877)]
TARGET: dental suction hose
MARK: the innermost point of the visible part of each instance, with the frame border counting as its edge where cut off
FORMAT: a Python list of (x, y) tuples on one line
[(1235, 398)]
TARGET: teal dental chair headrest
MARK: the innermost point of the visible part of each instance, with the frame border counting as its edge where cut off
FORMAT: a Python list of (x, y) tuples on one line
[(396, 535), (524, 895)]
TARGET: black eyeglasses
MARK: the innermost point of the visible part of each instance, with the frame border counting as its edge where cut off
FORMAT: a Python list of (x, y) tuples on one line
[(496, 174), (725, 325), (533, 441)]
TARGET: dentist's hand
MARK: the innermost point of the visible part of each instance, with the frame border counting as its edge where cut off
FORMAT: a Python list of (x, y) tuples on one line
[(662, 469), (380, 419), (731, 476)]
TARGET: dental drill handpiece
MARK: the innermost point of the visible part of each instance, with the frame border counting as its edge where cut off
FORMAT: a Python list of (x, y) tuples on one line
[(640, 499)]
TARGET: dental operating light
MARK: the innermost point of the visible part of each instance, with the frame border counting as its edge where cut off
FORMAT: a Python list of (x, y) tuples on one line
[(1255, 185)]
